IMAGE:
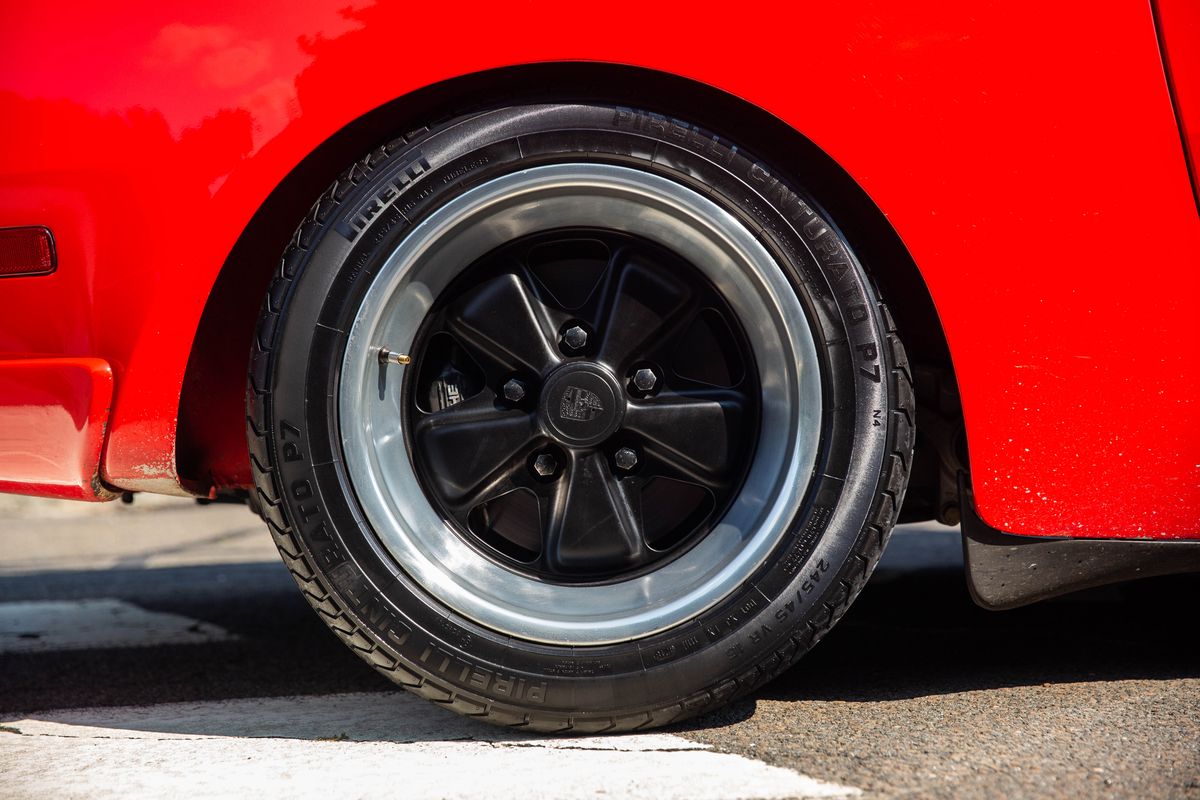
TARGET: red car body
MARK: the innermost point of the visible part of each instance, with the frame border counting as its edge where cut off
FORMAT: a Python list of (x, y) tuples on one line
[(1032, 158)]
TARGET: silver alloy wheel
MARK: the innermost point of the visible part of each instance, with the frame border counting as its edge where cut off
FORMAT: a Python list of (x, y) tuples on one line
[(545, 198)]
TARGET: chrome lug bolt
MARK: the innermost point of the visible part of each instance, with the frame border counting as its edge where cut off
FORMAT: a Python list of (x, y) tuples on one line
[(645, 379), (626, 458), (575, 337), (514, 391), (545, 465)]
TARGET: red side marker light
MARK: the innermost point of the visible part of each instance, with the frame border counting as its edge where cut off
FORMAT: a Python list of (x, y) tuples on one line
[(26, 251)]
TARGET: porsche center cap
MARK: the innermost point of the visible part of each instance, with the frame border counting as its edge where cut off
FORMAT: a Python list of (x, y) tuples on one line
[(581, 404)]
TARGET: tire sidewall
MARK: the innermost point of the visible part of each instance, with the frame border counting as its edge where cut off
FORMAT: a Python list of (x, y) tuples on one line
[(704, 659)]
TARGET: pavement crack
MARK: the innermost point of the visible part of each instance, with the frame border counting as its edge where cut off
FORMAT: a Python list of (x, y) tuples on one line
[(538, 745), (43, 735)]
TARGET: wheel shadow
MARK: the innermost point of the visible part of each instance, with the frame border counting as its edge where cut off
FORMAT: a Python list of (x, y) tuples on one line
[(914, 632)]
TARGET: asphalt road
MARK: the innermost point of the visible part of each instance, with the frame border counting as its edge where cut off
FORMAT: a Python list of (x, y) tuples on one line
[(141, 648)]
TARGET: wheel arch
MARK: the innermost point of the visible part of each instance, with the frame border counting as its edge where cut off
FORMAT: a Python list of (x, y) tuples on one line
[(211, 453)]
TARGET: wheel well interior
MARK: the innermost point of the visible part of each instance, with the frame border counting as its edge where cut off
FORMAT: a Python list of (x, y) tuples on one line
[(211, 449)]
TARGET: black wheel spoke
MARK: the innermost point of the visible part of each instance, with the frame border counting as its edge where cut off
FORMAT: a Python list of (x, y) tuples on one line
[(593, 523), (694, 436), (501, 322), (507, 477), (641, 307), (467, 445)]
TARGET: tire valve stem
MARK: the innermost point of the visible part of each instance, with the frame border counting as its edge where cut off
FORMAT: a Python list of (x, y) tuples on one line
[(388, 357)]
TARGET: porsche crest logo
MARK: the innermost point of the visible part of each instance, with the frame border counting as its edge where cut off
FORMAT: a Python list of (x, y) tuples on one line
[(579, 405)]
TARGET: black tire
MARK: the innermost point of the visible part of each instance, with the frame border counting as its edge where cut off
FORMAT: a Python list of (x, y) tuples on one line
[(794, 597)]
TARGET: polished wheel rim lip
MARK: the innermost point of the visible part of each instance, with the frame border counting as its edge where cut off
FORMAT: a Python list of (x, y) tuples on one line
[(371, 421)]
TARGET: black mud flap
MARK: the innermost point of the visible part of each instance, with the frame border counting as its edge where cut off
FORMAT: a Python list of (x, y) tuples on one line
[(1005, 570)]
